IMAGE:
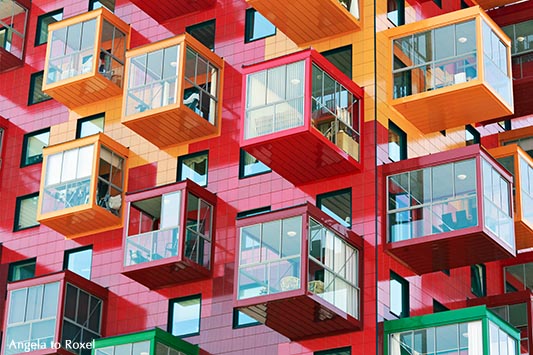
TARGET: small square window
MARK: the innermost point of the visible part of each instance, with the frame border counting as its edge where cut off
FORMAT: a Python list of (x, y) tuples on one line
[(36, 93), (193, 167), (96, 4), (339, 351), (338, 204), (204, 32), (79, 260), (250, 166), (257, 26), (42, 25), (397, 143), (478, 280), (32, 147), (184, 316), (21, 270), (26, 212), (472, 135), (341, 58), (242, 320), (399, 296), (88, 126), (396, 12)]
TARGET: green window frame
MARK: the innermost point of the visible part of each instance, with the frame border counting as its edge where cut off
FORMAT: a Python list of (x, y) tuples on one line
[(36, 93), (337, 204), (204, 32), (43, 21), (242, 320), (26, 212), (257, 27), (184, 316), (397, 143), (96, 4), (250, 166), (194, 166), (338, 351), (21, 270), (88, 126), (398, 296), (79, 261)]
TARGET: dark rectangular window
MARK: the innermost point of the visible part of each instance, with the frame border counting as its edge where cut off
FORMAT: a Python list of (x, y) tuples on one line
[(250, 166), (478, 280), (338, 351), (439, 307), (341, 58), (472, 135), (396, 12), (21, 270), (338, 204), (42, 25), (399, 296), (36, 93), (253, 212), (184, 316), (79, 260), (193, 167), (96, 4), (88, 126), (32, 147), (26, 212), (257, 26), (204, 32), (242, 320), (397, 143)]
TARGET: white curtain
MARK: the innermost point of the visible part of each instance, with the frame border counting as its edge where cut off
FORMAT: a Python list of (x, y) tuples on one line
[(475, 338)]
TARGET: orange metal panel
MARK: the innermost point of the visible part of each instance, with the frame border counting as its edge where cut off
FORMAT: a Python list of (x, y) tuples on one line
[(308, 21)]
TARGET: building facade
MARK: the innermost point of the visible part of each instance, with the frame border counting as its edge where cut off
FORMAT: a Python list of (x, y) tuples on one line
[(266, 177)]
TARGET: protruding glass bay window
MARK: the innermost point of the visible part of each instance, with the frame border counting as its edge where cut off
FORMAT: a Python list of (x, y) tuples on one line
[(323, 18), (60, 308), (82, 186), (448, 210), (460, 56), (173, 91), (85, 58), (169, 235), (13, 23), (303, 104), (298, 274), (474, 330), (520, 164)]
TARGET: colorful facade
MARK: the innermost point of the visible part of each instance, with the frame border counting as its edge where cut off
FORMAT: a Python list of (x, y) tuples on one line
[(266, 177)]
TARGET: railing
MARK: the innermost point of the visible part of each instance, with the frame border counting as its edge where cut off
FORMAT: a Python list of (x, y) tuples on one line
[(434, 75), (157, 93), (275, 117), (433, 218), (269, 277), (150, 246), (65, 195)]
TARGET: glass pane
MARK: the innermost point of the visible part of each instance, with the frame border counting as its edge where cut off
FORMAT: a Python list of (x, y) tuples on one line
[(170, 210), (185, 316)]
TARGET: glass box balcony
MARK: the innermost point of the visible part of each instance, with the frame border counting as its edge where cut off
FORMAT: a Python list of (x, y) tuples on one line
[(164, 10), (514, 308), (302, 117), (85, 58), (474, 330), (13, 23), (148, 342), (169, 234), (448, 210), (323, 18), (82, 186), (517, 22), (520, 164), (60, 308), (299, 272), (430, 70), (173, 91)]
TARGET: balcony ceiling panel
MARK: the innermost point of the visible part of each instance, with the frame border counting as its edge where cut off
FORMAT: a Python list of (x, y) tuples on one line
[(307, 21), (164, 10)]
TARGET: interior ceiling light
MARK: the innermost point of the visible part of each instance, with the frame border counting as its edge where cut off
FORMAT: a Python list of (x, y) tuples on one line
[(462, 39), (291, 233), (520, 38), (295, 81), (461, 176)]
